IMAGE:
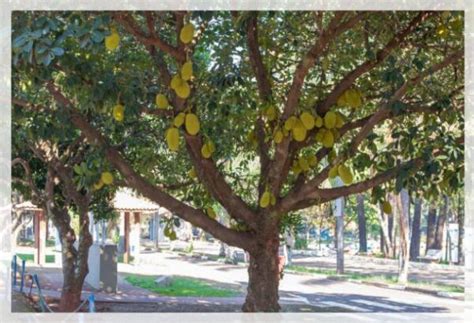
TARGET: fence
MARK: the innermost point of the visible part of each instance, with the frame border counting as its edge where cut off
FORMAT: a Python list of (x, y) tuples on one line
[(35, 281)]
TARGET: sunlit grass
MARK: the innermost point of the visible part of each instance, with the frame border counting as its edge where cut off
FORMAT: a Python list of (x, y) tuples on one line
[(28, 257), (180, 287)]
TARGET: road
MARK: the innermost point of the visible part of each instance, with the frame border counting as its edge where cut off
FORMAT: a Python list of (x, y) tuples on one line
[(312, 290)]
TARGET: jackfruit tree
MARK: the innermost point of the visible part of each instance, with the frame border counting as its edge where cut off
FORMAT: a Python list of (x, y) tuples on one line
[(252, 112)]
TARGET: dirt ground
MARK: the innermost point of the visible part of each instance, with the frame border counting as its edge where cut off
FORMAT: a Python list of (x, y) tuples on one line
[(21, 303)]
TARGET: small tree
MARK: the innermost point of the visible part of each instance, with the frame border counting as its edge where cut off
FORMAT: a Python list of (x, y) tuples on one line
[(47, 176)]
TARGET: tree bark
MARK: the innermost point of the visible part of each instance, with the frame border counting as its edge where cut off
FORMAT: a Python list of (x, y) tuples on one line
[(431, 228), (362, 224), (415, 235), (402, 207), (74, 261), (441, 224), (391, 230), (385, 238), (264, 276)]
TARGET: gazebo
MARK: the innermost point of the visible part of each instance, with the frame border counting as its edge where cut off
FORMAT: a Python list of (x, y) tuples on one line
[(134, 210)]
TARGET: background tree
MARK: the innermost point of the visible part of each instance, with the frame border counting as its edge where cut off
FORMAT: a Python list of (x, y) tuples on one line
[(303, 95), (61, 174)]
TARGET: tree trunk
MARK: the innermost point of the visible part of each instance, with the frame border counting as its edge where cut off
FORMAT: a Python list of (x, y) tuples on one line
[(391, 232), (403, 222), (74, 261), (385, 239), (264, 276), (415, 234), (362, 224), (431, 228), (441, 224)]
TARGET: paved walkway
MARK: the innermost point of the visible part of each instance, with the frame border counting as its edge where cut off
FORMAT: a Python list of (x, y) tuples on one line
[(314, 291)]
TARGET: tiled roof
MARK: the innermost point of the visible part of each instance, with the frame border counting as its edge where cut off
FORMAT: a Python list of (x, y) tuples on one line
[(127, 200), (27, 205)]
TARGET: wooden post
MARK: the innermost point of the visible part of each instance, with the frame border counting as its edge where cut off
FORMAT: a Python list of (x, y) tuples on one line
[(126, 238)]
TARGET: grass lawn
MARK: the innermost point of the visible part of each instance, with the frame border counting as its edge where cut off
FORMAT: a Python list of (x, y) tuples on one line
[(181, 287), (29, 257), (386, 279)]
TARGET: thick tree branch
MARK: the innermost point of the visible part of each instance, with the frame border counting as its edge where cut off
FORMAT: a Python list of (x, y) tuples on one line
[(329, 194), (134, 180), (37, 196), (278, 172), (216, 184), (333, 30), (383, 113), (132, 27), (256, 60)]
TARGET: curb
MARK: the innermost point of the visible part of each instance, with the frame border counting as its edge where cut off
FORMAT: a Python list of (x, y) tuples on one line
[(442, 294)]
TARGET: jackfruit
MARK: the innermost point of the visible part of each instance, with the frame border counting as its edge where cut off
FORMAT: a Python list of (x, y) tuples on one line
[(328, 139), (290, 123), (107, 178), (330, 120), (345, 174), (211, 213), (183, 90), (265, 199), (303, 162), (187, 71), (176, 81), (118, 112), (161, 101), (207, 149), (333, 172), (387, 207), (318, 122), (339, 121), (278, 136), (179, 119), (192, 124), (172, 138), (187, 33), (312, 160), (308, 120), (271, 113), (299, 131), (112, 41)]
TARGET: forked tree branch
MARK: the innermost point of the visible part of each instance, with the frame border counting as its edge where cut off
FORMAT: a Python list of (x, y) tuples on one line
[(323, 106), (132, 27), (383, 113), (136, 181)]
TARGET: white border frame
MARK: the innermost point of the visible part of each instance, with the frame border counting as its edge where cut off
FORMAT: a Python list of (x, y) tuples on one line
[(7, 6)]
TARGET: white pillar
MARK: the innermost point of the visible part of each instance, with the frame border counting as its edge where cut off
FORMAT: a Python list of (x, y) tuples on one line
[(135, 236)]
